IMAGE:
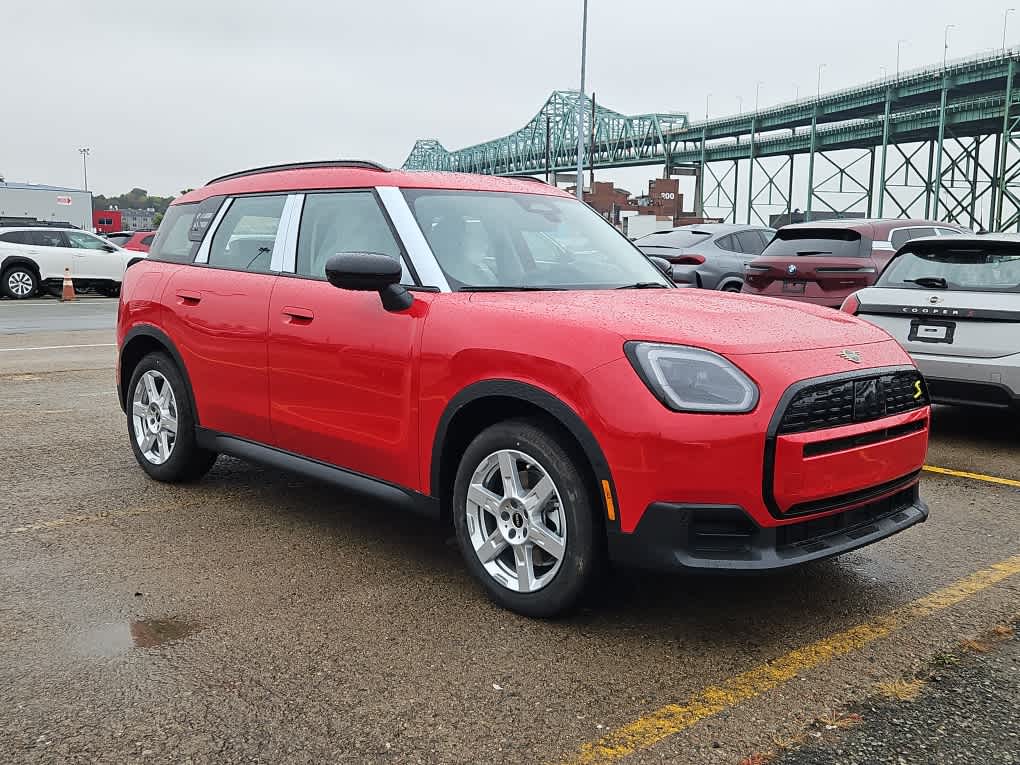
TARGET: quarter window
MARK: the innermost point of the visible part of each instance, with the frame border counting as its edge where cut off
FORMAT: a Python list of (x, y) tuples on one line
[(904, 235), (15, 237), (245, 237), (343, 222), (82, 241), (42, 238), (172, 242), (750, 243), (728, 243)]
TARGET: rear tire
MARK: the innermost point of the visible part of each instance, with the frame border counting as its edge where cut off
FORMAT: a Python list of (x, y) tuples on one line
[(732, 288), (525, 519), (161, 422), (19, 282), (111, 291)]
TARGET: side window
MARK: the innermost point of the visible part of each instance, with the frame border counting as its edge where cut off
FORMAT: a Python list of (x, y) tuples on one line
[(245, 237), (900, 238), (750, 243), (82, 241), (348, 221), (15, 237), (42, 238), (948, 232), (172, 243), (766, 237), (728, 242)]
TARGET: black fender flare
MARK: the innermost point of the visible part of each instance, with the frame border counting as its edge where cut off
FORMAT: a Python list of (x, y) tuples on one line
[(550, 404), (17, 260), (152, 332), (729, 279)]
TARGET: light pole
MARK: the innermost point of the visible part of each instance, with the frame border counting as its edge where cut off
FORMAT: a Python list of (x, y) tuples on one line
[(708, 99), (1005, 24), (945, 50), (85, 151), (580, 106), (740, 104), (796, 92), (757, 92), (899, 47), (885, 72), (820, 68)]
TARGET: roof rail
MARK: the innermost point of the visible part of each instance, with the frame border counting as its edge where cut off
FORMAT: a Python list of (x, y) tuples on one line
[(354, 163)]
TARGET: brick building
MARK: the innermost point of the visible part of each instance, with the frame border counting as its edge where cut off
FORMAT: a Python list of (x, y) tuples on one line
[(663, 200)]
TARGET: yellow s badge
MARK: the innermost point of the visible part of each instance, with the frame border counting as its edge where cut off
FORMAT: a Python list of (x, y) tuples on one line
[(917, 390)]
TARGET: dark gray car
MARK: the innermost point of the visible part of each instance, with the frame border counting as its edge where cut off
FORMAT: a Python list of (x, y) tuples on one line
[(708, 255)]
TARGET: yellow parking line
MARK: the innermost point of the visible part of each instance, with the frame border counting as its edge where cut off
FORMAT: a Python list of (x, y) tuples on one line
[(973, 476), (669, 720)]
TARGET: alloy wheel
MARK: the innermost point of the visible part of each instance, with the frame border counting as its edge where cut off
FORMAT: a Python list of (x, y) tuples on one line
[(154, 417), (20, 283), (515, 520)]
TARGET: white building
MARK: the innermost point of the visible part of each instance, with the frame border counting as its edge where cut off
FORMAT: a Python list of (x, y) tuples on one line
[(51, 204)]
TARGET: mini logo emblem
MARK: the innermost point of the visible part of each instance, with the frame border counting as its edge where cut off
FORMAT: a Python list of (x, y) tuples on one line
[(791, 269), (934, 299), (853, 356)]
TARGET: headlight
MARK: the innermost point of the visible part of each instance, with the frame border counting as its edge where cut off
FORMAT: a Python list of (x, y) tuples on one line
[(691, 379)]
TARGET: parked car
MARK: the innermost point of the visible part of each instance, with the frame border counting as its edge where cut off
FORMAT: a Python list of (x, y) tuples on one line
[(954, 304), (415, 337), (139, 241), (32, 259), (708, 255), (824, 261)]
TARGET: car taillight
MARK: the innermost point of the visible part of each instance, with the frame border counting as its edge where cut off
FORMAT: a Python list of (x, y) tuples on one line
[(687, 260), (851, 305)]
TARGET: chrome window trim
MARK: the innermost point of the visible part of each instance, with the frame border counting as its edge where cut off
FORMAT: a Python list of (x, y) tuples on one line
[(284, 256), (411, 236), (202, 256)]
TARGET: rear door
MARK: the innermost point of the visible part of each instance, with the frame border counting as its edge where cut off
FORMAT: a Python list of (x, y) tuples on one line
[(50, 249), (217, 312), (950, 300), (92, 259), (820, 264)]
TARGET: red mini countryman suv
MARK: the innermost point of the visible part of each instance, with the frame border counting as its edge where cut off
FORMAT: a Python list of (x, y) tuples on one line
[(491, 352)]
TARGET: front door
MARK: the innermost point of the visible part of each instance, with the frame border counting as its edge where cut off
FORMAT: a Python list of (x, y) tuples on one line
[(217, 312), (92, 259), (342, 370)]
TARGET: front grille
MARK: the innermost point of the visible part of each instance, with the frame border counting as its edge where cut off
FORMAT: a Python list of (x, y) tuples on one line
[(854, 523), (859, 399)]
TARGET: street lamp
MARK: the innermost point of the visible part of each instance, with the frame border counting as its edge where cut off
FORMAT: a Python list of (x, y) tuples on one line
[(945, 50), (885, 72), (85, 151), (820, 68), (757, 91), (580, 106), (899, 46), (708, 99), (740, 104), (1005, 24), (796, 92)]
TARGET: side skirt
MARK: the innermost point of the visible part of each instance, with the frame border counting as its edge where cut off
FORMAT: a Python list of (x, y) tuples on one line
[(347, 480)]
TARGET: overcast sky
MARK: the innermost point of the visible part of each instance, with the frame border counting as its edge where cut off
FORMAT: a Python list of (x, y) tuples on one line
[(170, 94)]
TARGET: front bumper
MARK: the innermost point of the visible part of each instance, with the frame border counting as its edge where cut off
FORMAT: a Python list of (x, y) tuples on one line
[(720, 538)]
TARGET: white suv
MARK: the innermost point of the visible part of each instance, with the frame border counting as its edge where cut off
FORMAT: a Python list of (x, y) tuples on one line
[(35, 258)]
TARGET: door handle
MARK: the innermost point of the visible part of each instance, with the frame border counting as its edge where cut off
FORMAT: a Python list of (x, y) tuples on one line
[(295, 315), (189, 298)]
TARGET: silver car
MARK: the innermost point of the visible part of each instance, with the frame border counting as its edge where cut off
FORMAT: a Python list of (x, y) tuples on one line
[(954, 304), (708, 255)]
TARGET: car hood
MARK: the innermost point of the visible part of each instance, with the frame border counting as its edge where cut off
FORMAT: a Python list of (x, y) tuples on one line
[(730, 324)]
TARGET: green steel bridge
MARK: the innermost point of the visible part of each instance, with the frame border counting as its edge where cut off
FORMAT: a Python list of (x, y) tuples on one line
[(940, 142)]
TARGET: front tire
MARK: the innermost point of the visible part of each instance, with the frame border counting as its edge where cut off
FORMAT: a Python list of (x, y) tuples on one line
[(161, 422), (19, 282), (525, 520)]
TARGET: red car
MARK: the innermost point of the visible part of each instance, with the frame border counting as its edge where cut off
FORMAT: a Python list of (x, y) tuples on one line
[(492, 353), (824, 261), (139, 241)]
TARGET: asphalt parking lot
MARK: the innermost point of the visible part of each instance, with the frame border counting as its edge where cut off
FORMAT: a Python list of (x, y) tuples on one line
[(257, 617)]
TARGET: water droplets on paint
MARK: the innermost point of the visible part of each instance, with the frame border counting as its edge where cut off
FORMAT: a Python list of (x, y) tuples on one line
[(117, 637)]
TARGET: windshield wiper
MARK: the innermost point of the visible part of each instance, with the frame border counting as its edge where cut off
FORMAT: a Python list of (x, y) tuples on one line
[(935, 282), (644, 286), (511, 289)]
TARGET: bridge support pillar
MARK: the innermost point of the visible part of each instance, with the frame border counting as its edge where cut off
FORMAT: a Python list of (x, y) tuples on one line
[(1006, 142), (942, 134), (811, 164), (750, 172), (885, 151)]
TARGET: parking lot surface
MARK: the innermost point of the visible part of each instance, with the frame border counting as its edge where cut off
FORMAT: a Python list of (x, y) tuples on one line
[(258, 617)]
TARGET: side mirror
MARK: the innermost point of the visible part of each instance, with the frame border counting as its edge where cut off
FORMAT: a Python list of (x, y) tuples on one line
[(663, 265), (370, 272)]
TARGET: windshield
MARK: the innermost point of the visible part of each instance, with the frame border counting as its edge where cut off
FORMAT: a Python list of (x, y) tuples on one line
[(975, 268), (497, 240), (817, 242), (677, 238)]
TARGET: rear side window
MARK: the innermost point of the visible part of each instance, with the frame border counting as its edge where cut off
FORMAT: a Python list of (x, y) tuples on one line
[(172, 243), (245, 238), (47, 238), (119, 239), (975, 268), (902, 236), (15, 237), (674, 238), (816, 242), (728, 242), (147, 240), (750, 243), (948, 232)]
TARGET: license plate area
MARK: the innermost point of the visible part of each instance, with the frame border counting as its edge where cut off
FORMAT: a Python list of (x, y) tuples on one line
[(931, 331), (794, 287)]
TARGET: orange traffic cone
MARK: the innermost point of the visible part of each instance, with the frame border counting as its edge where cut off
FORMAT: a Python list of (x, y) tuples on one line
[(67, 293)]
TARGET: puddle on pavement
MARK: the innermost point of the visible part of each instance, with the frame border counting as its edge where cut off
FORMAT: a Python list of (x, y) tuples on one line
[(118, 637)]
